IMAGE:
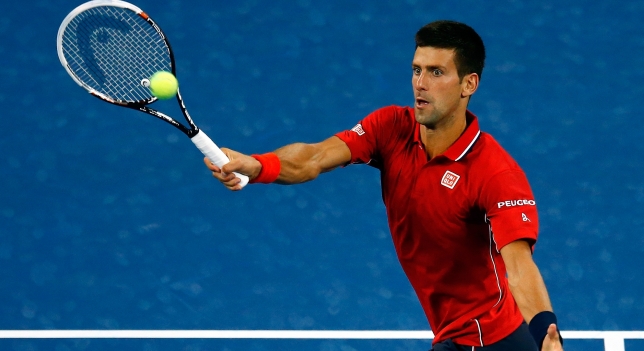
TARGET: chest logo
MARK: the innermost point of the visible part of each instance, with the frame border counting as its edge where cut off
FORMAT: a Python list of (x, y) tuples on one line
[(358, 129), (450, 179)]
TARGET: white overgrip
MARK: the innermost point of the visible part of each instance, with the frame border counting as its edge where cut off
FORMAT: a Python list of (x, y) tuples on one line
[(214, 153)]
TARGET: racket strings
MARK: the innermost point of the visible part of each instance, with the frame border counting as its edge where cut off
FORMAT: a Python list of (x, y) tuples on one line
[(113, 50)]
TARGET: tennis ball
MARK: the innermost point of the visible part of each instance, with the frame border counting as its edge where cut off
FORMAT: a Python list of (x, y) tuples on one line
[(164, 85)]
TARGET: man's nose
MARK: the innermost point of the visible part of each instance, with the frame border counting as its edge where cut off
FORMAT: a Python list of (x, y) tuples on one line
[(419, 82)]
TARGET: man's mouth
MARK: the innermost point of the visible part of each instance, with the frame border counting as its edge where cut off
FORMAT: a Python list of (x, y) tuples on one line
[(420, 102)]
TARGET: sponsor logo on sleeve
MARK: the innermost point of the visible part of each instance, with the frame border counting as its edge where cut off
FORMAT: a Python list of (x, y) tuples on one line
[(519, 202), (450, 179), (358, 129)]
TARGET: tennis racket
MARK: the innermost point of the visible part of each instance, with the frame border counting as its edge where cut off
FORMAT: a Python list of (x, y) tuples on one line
[(111, 48)]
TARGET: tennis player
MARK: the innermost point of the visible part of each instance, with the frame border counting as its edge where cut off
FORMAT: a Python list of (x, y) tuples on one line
[(461, 212)]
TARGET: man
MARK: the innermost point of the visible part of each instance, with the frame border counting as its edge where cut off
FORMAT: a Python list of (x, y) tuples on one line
[(460, 210)]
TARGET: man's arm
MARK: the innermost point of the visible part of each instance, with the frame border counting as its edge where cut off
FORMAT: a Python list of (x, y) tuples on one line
[(299, 162), (528, 288)]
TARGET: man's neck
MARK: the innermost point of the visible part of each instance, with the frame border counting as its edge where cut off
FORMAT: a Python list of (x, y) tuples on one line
[(438, 139)]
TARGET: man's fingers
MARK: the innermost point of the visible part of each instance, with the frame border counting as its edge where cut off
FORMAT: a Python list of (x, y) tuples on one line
[(226, 169), (552, 331), (229, 180), (552, 341), (239, 163), (224, 177), (553, 334), (213, 167)]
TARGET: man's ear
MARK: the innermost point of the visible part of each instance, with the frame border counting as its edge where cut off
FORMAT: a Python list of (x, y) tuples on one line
[(470, 84)]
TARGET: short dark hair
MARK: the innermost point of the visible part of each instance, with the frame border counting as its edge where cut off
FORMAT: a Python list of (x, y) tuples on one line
[(469, 51)]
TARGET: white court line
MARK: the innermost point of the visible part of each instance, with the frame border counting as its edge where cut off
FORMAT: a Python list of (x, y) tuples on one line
[(273, 334), (215, 334), (601, 334)]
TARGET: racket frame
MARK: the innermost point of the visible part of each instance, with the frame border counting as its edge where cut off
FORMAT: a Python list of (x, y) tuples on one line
[(191, 130), (198, 137)]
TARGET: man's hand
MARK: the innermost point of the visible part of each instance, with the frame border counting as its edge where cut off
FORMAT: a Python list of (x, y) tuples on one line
[(551, 342), (239, 163)]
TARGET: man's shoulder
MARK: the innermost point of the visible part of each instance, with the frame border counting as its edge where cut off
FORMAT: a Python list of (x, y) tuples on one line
[(395, 110), (492, 167), (394, 115), (493, 155)]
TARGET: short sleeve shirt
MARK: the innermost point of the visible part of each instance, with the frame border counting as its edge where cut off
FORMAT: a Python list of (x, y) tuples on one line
[(449, 217)]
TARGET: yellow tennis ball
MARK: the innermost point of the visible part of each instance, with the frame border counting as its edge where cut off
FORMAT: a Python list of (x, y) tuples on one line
[(164, 85)]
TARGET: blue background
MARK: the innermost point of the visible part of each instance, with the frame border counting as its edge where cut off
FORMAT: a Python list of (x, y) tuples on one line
[(109, 219)]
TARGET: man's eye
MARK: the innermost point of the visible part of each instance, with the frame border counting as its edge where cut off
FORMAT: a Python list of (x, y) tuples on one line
[(437, 72), (416, 70)]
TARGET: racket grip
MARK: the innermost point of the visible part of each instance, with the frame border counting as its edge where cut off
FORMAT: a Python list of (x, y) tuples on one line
[(214, 153)]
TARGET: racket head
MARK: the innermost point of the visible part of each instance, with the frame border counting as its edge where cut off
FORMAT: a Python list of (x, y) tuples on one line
[(111, 48)]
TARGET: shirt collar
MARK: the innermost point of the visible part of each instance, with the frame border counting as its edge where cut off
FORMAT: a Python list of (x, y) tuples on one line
[(464, 143)]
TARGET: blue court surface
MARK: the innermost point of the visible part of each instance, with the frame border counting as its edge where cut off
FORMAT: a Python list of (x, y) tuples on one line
[(110, 221)]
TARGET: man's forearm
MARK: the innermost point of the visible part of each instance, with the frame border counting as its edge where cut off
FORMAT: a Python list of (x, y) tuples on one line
[(298, 163), (529, 291), (304, 162)]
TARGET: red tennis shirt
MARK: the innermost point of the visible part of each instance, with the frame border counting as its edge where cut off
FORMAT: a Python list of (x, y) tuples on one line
[(449, 217)]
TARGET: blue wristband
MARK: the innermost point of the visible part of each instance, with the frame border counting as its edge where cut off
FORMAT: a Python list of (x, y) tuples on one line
[(539, 326)]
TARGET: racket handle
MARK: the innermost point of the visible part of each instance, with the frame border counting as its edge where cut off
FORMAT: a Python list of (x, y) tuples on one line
[(214, 153)]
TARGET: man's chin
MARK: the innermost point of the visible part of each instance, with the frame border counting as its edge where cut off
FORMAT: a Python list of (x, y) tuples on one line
[(425, 119), (421, 115)]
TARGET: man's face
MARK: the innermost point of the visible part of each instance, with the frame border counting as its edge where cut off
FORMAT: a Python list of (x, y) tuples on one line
[(437, 87)]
